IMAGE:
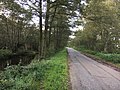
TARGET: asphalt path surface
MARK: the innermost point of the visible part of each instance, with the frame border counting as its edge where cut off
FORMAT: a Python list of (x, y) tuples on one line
[(87, 74)]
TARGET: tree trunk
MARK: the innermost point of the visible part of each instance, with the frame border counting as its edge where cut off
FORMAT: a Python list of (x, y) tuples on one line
[(50, 29), (40, 30), (46, 29), (8, 36)]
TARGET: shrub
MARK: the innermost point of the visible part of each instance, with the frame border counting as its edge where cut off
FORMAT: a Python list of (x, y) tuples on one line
[(22, 77)]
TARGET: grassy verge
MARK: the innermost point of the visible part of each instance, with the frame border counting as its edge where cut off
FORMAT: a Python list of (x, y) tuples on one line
[(56, 77), (110, 58), (39, 75)]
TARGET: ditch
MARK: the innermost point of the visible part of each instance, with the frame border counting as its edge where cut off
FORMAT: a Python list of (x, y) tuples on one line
[(17, 59)]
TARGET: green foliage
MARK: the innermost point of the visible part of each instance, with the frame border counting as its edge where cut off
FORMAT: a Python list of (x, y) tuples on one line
[(20, 78), (49, 75), (5, 53), (101, 27), (19, 34)]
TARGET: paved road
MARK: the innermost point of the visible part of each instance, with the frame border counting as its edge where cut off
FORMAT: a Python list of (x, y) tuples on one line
[(87, 74)]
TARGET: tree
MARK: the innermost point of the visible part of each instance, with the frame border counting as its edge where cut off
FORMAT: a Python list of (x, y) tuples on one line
[(102, 21)]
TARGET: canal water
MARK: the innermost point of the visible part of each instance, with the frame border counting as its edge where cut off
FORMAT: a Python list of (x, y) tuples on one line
[(15, 60)]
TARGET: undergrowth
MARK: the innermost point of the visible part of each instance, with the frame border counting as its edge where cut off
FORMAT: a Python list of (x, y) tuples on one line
[(39, 75)]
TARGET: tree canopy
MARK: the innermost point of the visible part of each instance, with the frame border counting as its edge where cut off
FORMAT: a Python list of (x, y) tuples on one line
[(102, 26), (41, 25)]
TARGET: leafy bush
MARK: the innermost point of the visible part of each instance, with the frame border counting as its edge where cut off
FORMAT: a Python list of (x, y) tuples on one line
[(5, 53), (19, 78)]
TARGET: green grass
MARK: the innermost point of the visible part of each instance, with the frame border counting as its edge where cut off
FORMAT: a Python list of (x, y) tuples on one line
[(46, 75), (56, 77)]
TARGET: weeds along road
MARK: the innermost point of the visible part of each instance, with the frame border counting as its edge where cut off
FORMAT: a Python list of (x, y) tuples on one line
[(87, 74)]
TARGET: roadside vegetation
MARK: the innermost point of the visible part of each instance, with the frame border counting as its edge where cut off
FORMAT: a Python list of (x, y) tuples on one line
[(49, 74), (113, 58)]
